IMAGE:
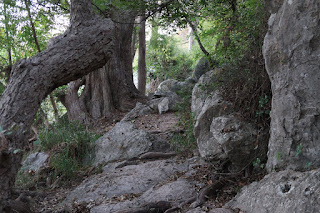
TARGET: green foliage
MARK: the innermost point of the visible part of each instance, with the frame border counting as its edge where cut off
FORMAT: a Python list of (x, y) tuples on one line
[(257, 163), (264, 106), (165, 60), (299, 150), (184, 141), (308, 165), (71, 146), (2, 87), (247, 86), (233, 32), (47, 107), (5, 132), (16, 38)]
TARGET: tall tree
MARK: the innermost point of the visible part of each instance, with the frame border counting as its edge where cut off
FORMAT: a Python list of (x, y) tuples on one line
[(34, 33), (6, 21), (86, 46), (111, 87), (142, 70), (190, 39)]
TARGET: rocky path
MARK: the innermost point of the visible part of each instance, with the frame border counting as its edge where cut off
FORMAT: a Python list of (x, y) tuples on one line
[(136, 170)]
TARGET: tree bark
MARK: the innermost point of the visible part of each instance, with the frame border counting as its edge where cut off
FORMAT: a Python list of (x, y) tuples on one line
[(54, 106), (86, 46), (35, 38), (134, 43), (191, 41), (111, 87), (142, 73), (97, 96), (72, 101), (119, 68)]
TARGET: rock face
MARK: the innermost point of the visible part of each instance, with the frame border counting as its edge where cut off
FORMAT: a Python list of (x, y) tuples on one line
[(202, 98), (35, 161), (202, 67), (135, 186), (164, 101), (139, 110), (283, 192), (125, 141), (292, 54), (169, 85), (219, 134)]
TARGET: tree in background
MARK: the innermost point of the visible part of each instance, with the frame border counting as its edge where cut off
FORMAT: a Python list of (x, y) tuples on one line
[(142, 70)]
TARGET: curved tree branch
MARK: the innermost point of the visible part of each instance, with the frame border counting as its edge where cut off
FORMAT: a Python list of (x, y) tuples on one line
[(203, 49)]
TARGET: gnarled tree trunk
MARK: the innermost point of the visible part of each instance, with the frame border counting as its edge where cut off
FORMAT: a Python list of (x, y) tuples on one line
[(111, 87), (86, 46)]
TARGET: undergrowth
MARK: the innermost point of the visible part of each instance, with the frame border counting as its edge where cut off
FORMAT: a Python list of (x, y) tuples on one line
[(71, 147), (184, 141)]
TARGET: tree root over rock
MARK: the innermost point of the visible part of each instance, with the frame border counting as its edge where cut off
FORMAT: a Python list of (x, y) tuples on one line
[(147, 156), (206, 191), (169, 207), (158, 207), (157, 155)]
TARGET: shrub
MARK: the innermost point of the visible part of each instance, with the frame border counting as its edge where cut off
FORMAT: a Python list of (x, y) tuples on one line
[(71, 147), (184, 141)]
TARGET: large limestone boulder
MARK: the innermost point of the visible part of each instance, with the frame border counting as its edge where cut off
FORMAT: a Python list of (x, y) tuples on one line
[(283, 192), (203, 98), (126, 141), (219, 133), (35, 161), (292, 54), (169, 85), (139, 110), (162, 102), (202, 67), (235, 139)]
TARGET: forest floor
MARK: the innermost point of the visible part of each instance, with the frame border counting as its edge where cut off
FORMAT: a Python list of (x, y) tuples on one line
[(49, 198)]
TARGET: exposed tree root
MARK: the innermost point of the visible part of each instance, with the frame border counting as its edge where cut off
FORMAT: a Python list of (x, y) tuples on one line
[(177, 207), (158, 207), (127, 163), (146, 156), (169, 207), (157, 155), (206, 191)]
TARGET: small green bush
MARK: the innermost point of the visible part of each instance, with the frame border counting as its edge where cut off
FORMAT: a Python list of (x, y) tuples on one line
[(71, 147), (165, 60), (184, 141)]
